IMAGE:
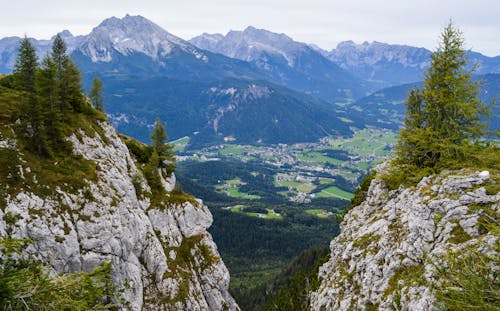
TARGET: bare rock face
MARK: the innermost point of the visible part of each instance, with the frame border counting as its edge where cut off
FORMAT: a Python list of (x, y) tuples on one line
[(393, 246), (162, 256)]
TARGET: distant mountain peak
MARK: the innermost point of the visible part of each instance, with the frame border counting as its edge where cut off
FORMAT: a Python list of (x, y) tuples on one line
[(66, 33), (130, 34)]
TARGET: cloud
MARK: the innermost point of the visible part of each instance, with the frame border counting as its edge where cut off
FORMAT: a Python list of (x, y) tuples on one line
[(324, 22)]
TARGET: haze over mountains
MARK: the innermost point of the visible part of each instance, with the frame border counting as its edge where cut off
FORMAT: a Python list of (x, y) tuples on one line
[(251, 86)]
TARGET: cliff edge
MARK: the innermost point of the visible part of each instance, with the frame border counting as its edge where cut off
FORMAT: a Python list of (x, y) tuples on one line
[(417, 248), (95, 206)]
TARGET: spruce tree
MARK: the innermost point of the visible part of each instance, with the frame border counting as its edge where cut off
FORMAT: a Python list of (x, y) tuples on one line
[(161, 147), (71, 86), (25, 67), (47, 89), (95, 94), (445, 115), (25, 70)]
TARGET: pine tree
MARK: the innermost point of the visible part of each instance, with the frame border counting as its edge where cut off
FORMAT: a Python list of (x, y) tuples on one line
[(25, 71), (444, 116), (25, 67), (95, 94), (161, 147)]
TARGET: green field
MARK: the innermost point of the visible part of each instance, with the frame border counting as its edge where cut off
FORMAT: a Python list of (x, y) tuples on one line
[(367, 142), (301, 186), (321, 213), (334, 192), (234, 150), (180, 144), (231, 187), (271, 214)]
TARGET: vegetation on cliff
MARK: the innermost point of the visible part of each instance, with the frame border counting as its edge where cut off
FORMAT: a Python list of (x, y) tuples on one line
[(446, 122)]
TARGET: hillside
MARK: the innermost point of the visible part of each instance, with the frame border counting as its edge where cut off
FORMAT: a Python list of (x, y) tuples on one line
[(93, 205), (243, 111)]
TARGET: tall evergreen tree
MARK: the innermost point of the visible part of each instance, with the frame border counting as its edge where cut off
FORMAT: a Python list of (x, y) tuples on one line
[(161, 147), (71, 85), (48, 97), (25, 67), (25, 71), (95, 94), (445, 115)]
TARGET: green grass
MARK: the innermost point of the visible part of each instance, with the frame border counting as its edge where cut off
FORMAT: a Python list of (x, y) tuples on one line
[(325, 181), (235, 150), (180, 144), (321, 213), (235, 193), (367, 142), (334, 192), (364, 165), (271, 214)]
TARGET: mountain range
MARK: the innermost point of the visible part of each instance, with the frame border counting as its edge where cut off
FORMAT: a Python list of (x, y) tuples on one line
[(294, 64), (393, 64), (250, 86)]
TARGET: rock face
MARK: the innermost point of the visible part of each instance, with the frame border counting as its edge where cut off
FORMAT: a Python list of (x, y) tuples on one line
[(162, 256), (393, 246)]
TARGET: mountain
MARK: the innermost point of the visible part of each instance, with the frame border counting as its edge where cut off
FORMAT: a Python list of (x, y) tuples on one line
[(210, 97), (246, 112), (294, 64), (388, 105), (9, 46), (133, 45), (393, 64), (425, 247), (94, 205)]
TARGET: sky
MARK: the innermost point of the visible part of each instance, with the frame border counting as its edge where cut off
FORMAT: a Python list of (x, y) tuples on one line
[(322, 22)]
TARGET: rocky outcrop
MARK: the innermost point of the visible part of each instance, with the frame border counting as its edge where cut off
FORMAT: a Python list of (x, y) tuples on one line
[(161, 254), (394, 247)]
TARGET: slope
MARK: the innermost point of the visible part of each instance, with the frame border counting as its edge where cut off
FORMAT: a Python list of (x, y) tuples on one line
[(92, 205)]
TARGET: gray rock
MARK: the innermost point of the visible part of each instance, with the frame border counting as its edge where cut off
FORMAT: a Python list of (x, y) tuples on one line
[(73, 232), (402, 229)]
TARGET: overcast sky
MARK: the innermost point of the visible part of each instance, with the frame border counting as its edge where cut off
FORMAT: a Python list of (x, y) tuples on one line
[(323, 22)]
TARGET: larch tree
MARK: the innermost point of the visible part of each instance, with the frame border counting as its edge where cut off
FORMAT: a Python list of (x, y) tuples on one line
[(95, 94), (445, 115)]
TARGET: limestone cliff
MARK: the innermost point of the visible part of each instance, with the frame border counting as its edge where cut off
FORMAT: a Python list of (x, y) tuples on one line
[(402, 249), (162, 256)]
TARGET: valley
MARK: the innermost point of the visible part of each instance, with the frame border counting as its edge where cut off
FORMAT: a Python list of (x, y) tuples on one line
[(272, 202)]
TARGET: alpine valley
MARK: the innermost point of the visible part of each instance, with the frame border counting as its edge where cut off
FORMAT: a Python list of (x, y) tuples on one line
[(283, 142)]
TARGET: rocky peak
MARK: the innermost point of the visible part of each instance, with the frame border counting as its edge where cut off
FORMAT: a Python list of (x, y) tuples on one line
[(65, 34), (349, 54), (251, 43), (207, 41), (130, 34), (402, 249)]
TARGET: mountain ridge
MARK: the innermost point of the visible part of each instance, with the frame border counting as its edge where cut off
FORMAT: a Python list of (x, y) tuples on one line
[(294, 64)]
